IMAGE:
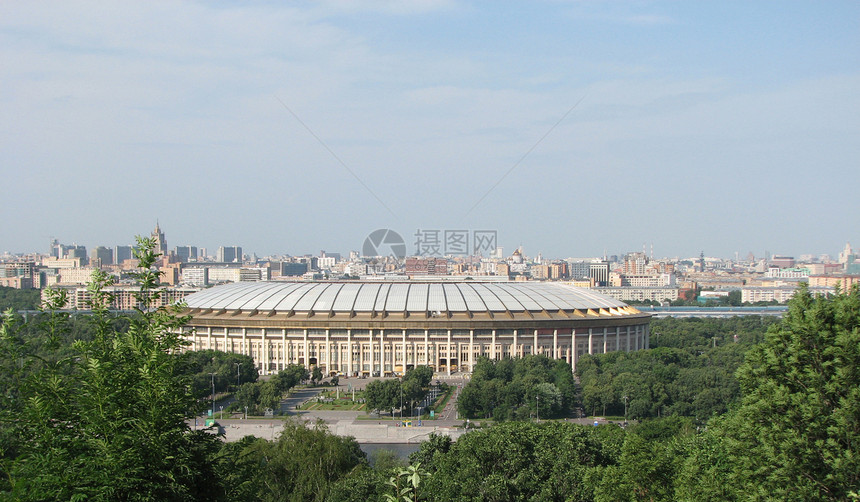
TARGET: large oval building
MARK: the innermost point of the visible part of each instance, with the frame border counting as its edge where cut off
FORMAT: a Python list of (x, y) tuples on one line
[(384, 328)]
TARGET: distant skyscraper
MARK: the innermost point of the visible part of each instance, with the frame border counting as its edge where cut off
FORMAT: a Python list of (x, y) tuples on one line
[(293, 268), (634, 263), (599, 272), (77, 252), (101, 256), (186, 253), (160, 241), (846, 254), (579, 269), (229, 254), (121, 253)]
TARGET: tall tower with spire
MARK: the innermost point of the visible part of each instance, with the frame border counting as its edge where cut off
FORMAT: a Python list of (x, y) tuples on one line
[(160, 241), (846, 254)]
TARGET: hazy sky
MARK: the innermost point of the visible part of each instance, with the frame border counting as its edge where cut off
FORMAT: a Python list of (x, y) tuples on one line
[(720, 127)]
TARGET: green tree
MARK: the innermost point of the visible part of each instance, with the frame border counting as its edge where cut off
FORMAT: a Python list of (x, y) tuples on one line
[(512, 389), (316, 375), (19, 299), (435, 445), (303, 464), (382, 395), (248, 396), (291, 376), (360, 485), (524, 461), (113, 411), (230, 370), (796, 435)]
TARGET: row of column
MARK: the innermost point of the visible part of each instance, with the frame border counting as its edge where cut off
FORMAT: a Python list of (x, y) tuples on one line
[(369, 349)]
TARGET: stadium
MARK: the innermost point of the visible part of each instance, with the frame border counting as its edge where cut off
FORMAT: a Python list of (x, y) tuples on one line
[(371, 328)]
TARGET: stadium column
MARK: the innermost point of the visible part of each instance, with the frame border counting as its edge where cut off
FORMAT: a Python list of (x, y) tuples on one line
[(617, 338), (381, 353), (403, 357), (471, 350), (227, 346), (360, 356), (307, 350), (349, 352), (638, 337), (427, 349), (514, 350), (448, 354), (244, 350), (647, 336), (572, 346), (327, 353), (628, 338), (493, 347), (369, 339), (555, 344), (283, 348), (535, 346), (265, 351), (209, 338), (604, 339), (590, 337)]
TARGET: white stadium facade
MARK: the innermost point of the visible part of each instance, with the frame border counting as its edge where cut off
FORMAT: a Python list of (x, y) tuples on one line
[(364, 328)]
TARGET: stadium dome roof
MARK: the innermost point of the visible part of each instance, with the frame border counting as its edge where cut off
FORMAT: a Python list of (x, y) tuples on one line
[(432, 298)]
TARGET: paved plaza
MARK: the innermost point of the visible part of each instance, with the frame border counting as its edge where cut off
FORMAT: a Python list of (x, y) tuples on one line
[(364, 427)]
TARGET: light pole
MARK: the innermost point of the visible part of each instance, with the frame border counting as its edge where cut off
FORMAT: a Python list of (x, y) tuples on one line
[(237, 375), (537, 407), (213, 394), (222, 411)]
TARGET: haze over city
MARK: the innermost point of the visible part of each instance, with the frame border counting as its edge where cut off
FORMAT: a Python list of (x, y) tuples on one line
[(571, 128)]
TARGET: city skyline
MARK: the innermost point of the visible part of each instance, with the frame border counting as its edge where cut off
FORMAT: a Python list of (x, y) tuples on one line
[(411, 251), (570, 128)]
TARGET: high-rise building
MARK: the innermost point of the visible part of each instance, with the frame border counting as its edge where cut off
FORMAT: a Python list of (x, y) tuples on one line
[(195, 276), (122, 253), (290, 268), (578, 269), (229, 254), (160, 241), (186, 253), (846, 254), (634, 263), (599, 273), (101, 256), (78, 252)]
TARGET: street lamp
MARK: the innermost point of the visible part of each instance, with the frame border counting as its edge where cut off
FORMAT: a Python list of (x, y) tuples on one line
[(213, 393), (237, 374)]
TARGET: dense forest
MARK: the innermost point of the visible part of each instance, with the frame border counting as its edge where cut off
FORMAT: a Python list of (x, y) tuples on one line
[(689, 371), (19, 299), (517, 389), (104, 416)]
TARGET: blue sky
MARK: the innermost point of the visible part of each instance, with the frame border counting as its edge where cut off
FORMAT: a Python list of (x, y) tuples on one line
[(720, 127)]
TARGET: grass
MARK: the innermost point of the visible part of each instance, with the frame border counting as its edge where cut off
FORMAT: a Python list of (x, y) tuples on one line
[(442, 401), (345, 403), (342, 405)]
